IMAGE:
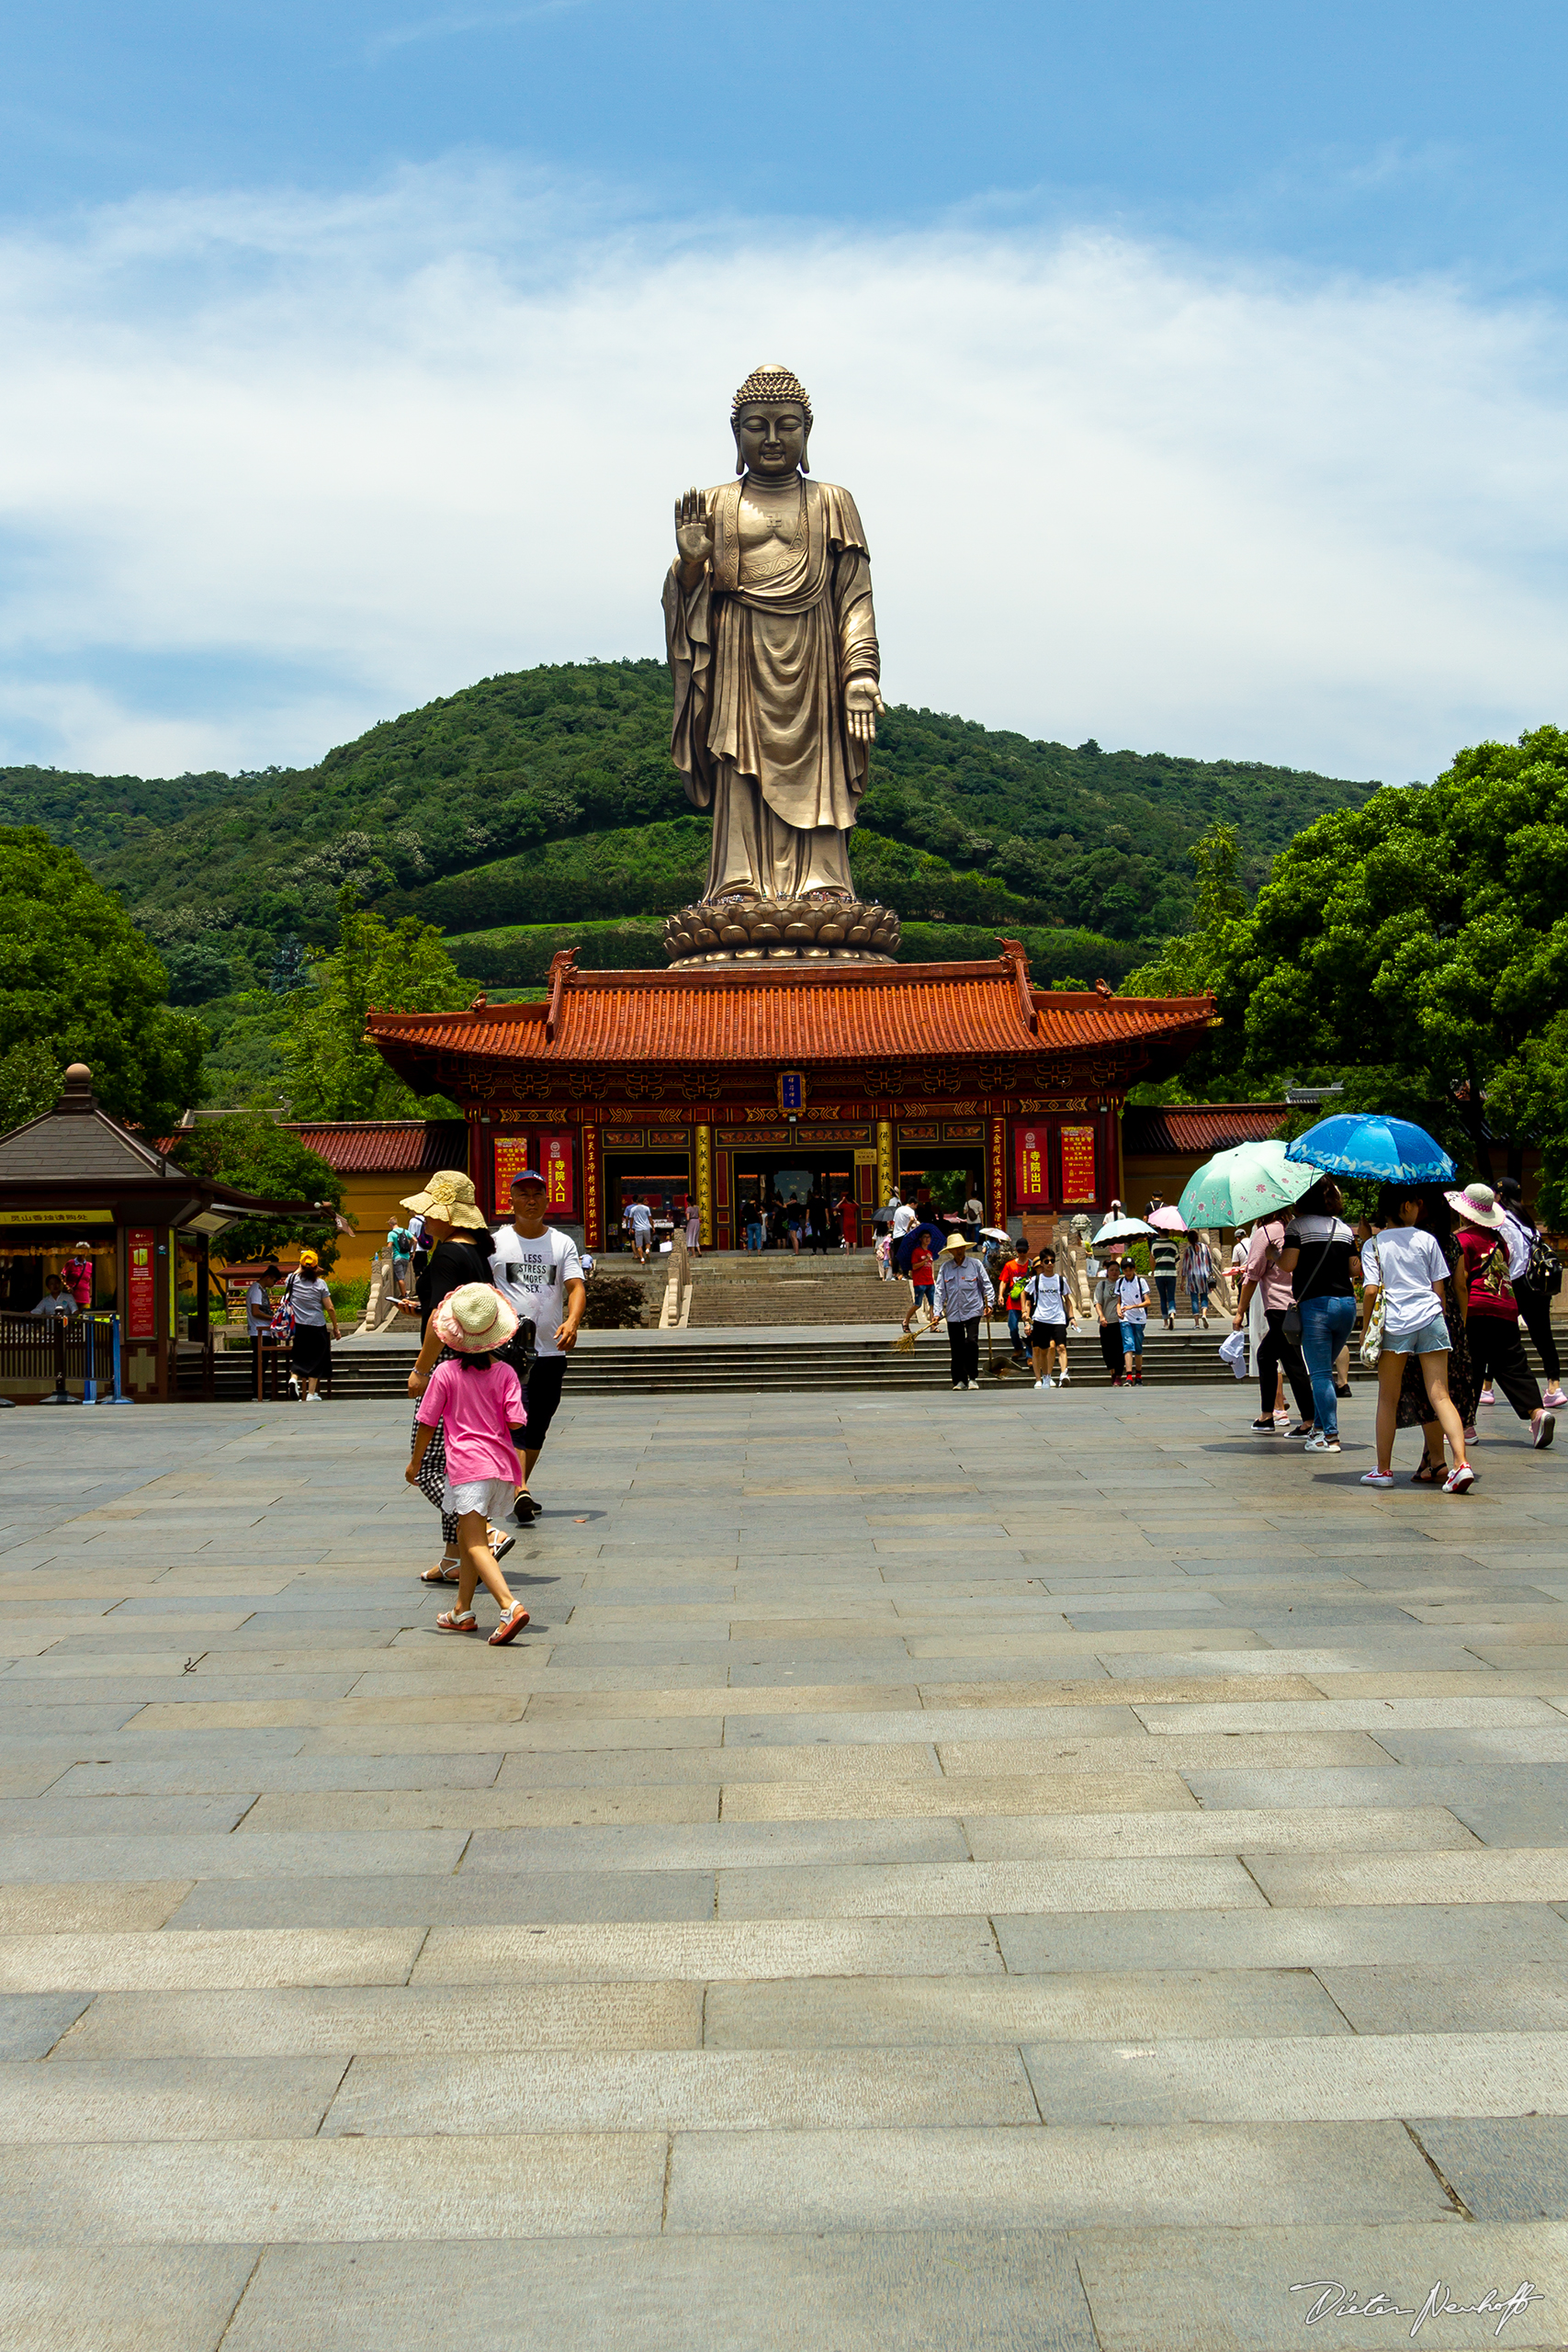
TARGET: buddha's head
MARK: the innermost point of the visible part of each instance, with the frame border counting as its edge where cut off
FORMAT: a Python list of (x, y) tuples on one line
[(771, 419)]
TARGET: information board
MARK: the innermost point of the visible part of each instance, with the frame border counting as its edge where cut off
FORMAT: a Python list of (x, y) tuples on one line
[(511, 1158), (141, 1302), (1077, 1165)]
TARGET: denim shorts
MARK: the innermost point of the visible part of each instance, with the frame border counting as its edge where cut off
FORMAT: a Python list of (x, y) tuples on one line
[(1432, 1339)]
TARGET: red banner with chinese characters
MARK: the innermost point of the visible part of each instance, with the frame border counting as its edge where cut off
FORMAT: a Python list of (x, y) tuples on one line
[(1031, 1177), (555, 1159), (511, 1158), (1077, 1165), (141, 1286)]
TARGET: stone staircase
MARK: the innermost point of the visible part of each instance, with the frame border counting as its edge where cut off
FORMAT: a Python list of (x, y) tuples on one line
[(658, 1364), (775, 1286)]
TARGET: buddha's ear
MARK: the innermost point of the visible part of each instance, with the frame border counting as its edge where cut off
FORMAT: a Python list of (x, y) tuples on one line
[(740, 461), (805, 452)]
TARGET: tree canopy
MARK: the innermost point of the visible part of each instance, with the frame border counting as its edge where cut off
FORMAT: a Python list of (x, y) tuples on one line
[(333, 1071), (251, 1152), (1416, 951), (80, 982)]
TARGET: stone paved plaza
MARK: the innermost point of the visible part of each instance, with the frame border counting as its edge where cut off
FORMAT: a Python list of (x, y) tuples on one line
[(996, 1870)]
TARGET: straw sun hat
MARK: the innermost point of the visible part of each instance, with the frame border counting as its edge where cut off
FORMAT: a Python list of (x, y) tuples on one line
[(449, 1196), (954, 1241), (1477, 1205), (473, 1319)]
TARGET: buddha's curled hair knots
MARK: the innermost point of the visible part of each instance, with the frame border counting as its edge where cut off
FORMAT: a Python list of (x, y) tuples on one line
[(772, 383)]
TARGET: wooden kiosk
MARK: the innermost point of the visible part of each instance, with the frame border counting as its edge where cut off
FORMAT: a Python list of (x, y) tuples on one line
[(77, 1182)]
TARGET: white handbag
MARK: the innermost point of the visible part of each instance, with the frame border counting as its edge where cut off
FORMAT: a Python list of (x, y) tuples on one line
[(1372, 1344)]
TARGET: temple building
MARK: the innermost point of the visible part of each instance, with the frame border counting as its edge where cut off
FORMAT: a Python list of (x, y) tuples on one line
[(718, 1084)]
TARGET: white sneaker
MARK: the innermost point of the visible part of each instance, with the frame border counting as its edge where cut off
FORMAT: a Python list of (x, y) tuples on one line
[(1045, 1383), (1543, 1429), (1554, 1400), (1377, 1477), (971, 1384), (312, 1396), (1321, 1444), (1064, 1379), (1486, 1397)]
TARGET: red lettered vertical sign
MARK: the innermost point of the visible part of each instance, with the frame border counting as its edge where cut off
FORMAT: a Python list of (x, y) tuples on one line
[(555, 1159), (1077, 1164), (141, 1299), (1030, 1180)]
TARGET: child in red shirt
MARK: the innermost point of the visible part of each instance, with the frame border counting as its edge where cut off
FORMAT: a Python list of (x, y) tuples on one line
[(923, 1278)]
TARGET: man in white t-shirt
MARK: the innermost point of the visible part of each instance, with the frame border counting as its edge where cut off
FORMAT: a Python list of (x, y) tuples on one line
[(538, 1270)]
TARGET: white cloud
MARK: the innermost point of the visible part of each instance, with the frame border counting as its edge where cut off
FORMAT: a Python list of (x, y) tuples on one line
[(293, 465)]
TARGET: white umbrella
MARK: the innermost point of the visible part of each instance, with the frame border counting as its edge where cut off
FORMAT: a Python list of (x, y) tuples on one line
[(1122, 1229)]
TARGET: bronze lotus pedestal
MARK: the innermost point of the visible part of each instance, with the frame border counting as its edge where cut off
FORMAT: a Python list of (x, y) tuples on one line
[(815, 930)]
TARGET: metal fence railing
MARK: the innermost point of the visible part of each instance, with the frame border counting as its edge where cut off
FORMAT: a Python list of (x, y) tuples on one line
[(60, 1353)]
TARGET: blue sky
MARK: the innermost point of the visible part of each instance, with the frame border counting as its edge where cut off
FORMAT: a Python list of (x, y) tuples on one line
[(1241, 327)]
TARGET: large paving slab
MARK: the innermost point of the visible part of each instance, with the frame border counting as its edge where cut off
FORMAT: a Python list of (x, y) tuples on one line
[(927, 1876)]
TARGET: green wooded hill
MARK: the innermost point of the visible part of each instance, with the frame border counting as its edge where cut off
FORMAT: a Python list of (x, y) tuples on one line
[(542, 805)]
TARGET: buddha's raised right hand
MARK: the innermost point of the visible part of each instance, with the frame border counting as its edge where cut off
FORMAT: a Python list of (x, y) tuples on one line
[(693, 530)]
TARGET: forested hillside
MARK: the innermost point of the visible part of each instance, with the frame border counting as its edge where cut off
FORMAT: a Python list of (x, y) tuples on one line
[(547, 797)]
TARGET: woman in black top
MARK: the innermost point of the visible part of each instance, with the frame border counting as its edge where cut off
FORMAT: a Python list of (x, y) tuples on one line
[(1534, 1299), (459, 1251)]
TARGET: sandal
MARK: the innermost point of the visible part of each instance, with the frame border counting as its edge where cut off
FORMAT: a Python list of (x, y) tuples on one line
[(512, 1622), (1430, 1474), (501, 1543), (458, 1621), (443, 1572)]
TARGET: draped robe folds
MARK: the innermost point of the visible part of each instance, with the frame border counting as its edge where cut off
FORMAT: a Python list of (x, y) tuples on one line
[(760, 651)]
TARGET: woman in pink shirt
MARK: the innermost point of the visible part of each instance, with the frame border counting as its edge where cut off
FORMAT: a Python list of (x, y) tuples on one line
[(479, 1404)]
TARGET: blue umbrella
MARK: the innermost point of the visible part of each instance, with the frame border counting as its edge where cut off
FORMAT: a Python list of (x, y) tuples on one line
[(1357, 1143)]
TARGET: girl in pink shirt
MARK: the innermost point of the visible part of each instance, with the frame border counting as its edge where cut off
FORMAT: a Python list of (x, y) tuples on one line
[(480, 1401)]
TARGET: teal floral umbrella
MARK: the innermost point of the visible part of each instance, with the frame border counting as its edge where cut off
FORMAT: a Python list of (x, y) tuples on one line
[(1238, 1186)]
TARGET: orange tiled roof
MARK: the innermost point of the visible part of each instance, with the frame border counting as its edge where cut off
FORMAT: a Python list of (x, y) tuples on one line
[(1201, 1126), (772, 1017), (385, 1147)]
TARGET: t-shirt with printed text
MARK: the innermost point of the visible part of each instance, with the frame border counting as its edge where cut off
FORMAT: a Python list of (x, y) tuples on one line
[(533, 1275)]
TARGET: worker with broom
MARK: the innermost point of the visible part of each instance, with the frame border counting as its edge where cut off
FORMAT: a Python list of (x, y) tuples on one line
[(964, 1294)]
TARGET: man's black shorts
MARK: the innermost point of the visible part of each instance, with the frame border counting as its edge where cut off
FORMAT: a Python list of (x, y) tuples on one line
[(541, 1395), (1046, 1335)]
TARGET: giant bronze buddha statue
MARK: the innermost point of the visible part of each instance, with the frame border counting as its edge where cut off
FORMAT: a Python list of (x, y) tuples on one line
[(772, 647)]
